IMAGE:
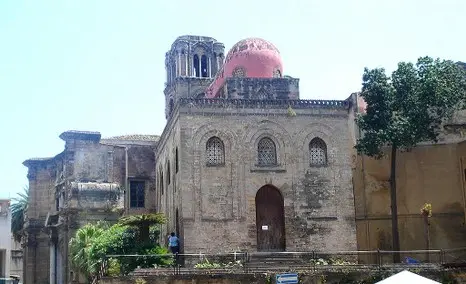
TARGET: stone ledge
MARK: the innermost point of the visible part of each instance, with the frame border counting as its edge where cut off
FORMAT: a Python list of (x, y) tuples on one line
[(264, 104)]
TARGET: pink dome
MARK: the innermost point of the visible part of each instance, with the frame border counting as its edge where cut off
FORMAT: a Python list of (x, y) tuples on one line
[(250, 58)]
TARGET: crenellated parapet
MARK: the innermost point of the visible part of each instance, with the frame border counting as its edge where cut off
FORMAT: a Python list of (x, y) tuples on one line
[(264, 104)]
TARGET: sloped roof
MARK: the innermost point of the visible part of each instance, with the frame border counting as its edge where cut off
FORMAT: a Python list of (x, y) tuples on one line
[(407, 277)]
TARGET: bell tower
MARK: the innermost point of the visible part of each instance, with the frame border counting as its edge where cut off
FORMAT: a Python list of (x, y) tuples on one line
[(191, 64)]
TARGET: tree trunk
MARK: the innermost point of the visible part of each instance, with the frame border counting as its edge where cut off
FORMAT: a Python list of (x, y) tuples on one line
[(427, 236), (394, 207), (144, 231)]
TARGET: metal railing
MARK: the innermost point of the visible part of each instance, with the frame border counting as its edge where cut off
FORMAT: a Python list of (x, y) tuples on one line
[(258, 262)]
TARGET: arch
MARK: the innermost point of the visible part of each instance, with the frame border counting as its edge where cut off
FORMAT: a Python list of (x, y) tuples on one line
[(277, 73), (215, 152), (266, 152), (204, 67), (206, 131), (317, 152), (270, 219), (196, 70), (311, 131)]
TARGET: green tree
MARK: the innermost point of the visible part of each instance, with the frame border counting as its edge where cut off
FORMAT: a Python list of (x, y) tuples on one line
[(80, 246), (405, 109), (143, 222), (19, 207)]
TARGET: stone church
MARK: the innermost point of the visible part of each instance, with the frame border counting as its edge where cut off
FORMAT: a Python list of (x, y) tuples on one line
[(242, 164)]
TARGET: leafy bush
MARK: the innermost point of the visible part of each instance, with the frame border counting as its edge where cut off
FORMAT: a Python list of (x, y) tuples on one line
[(206, 264), (331, 261), (94, 242)]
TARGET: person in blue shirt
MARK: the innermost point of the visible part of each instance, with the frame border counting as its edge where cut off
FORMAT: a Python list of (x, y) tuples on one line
[(174, 243)]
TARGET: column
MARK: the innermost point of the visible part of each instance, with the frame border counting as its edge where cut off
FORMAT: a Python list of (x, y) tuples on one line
[(52, 263), (217, 58), (200, 66), (209, 66), (179, 64), (186, 63)]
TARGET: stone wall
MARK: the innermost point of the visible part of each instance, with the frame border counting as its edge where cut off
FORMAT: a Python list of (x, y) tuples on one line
[(427, 174), (261, 88), (327, 276), (217, 204), (85, 183), (169, 162)]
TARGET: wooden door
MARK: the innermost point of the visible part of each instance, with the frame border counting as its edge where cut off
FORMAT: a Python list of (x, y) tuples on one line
[(270, 219)]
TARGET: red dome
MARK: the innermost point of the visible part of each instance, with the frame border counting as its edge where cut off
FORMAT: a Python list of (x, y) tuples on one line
[(251, 58)]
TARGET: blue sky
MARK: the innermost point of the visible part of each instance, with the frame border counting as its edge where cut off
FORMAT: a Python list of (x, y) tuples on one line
[(99, 65)]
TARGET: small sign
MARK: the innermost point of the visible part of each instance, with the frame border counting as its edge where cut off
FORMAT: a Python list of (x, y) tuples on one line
[(265, 228), (288, 278)]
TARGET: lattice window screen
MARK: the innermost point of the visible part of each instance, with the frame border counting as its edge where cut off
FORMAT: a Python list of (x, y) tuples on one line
[(215, 152), (239, 72), (266, 152), (318, 152)]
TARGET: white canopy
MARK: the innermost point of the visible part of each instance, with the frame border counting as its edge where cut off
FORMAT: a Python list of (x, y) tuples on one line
[(407, 277)]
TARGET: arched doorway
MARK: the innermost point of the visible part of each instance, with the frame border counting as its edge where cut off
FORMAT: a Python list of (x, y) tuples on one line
[(270, 219)]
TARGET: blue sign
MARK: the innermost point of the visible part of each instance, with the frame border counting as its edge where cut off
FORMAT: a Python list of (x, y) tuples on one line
[(288, 278)]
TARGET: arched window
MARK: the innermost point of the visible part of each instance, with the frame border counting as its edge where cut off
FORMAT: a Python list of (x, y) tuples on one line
[(318, 152), (266, 152), (215, 152), (204, 71), (196, 66)]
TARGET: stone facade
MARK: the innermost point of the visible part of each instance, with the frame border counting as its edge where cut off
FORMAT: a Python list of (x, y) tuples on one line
[(216, 204), (429, 173), (89, 181), (5, 238)]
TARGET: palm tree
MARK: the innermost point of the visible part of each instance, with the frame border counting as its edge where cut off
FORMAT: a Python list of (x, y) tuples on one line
[(143, 223), (19, 207), (80, 246)]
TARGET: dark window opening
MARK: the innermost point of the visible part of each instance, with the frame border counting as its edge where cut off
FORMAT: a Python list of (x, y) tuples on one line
[(196, 66), (161, 182), (204, 66), (177, 168), (170, 107), (168, 173), (137, 193)]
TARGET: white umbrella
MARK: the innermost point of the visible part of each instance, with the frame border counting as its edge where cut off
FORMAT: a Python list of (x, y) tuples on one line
[(407, 277)]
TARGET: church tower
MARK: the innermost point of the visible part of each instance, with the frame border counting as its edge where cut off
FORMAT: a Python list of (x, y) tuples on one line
[(191, 64)]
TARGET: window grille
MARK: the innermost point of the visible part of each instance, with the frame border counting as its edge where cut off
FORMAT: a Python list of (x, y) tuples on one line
[(215, 152), (239, 72), (318, 152), (266, 152), (137, 193)]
